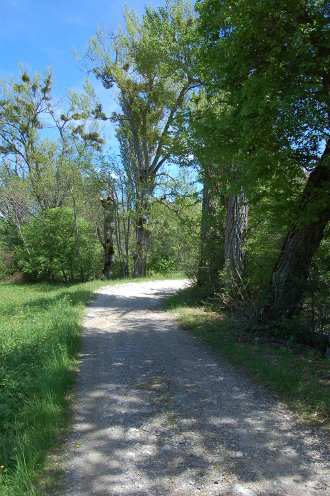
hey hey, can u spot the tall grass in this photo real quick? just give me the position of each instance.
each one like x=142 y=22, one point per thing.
x=40 y=332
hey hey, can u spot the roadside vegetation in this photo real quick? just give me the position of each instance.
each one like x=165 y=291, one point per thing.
x=298 y=375
x=40 y=336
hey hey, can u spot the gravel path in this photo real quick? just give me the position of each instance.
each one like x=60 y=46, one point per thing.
x=158 y=414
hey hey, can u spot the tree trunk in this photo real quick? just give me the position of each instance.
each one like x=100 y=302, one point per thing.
x=141 y=248
x=292 y=269
x=236 y=232
x=142 y=233
x=127 y=236
x=109 y=227
x=118 y=241
x=212 y=227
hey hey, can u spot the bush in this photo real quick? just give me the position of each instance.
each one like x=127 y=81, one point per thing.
x=161 y=264
x=52 y=250
x=7 y=261
x=5 y=264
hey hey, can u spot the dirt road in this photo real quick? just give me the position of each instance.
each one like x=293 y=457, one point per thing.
x=158 y=414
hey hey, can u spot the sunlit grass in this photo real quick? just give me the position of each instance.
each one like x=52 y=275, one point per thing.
x=40 y=336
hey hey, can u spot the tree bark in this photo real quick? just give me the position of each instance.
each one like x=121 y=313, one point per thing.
x=301 y=242
x=141 y=248
x=144 y=195
x=109 y=227
x=236 y=233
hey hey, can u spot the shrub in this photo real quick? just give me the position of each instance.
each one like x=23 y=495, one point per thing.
x=52 y=250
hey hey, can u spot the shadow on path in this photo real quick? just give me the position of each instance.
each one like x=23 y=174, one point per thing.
x=158 y=414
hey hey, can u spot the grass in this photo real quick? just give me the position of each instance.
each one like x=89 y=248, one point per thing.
x=40 y=335
x=297 y=375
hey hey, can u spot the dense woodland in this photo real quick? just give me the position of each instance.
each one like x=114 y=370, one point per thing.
x=223 y=172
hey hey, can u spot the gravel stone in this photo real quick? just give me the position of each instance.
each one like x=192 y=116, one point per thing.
x=158 y=414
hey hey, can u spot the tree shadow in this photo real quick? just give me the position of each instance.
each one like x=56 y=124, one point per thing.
x=156 y=406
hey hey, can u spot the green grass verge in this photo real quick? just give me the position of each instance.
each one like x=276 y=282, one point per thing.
x=297 y=375
x=40 y=334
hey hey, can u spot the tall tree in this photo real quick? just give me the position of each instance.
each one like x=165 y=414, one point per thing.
x=272 y=59
x=224 y=211
x=23 y=106
x=28 y=153
x=108 y=205
x=150 y=62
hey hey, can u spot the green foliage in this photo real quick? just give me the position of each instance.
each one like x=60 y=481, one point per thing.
x=52 y=250
x=5 y=264
x=271 y=61
x=175 y=236
x=262 y=247
x=161 y=263
x=6 y=258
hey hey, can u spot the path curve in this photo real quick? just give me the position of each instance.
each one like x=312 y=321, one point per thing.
x=158 y=414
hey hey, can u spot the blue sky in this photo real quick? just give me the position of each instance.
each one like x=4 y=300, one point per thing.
x=42 y=33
